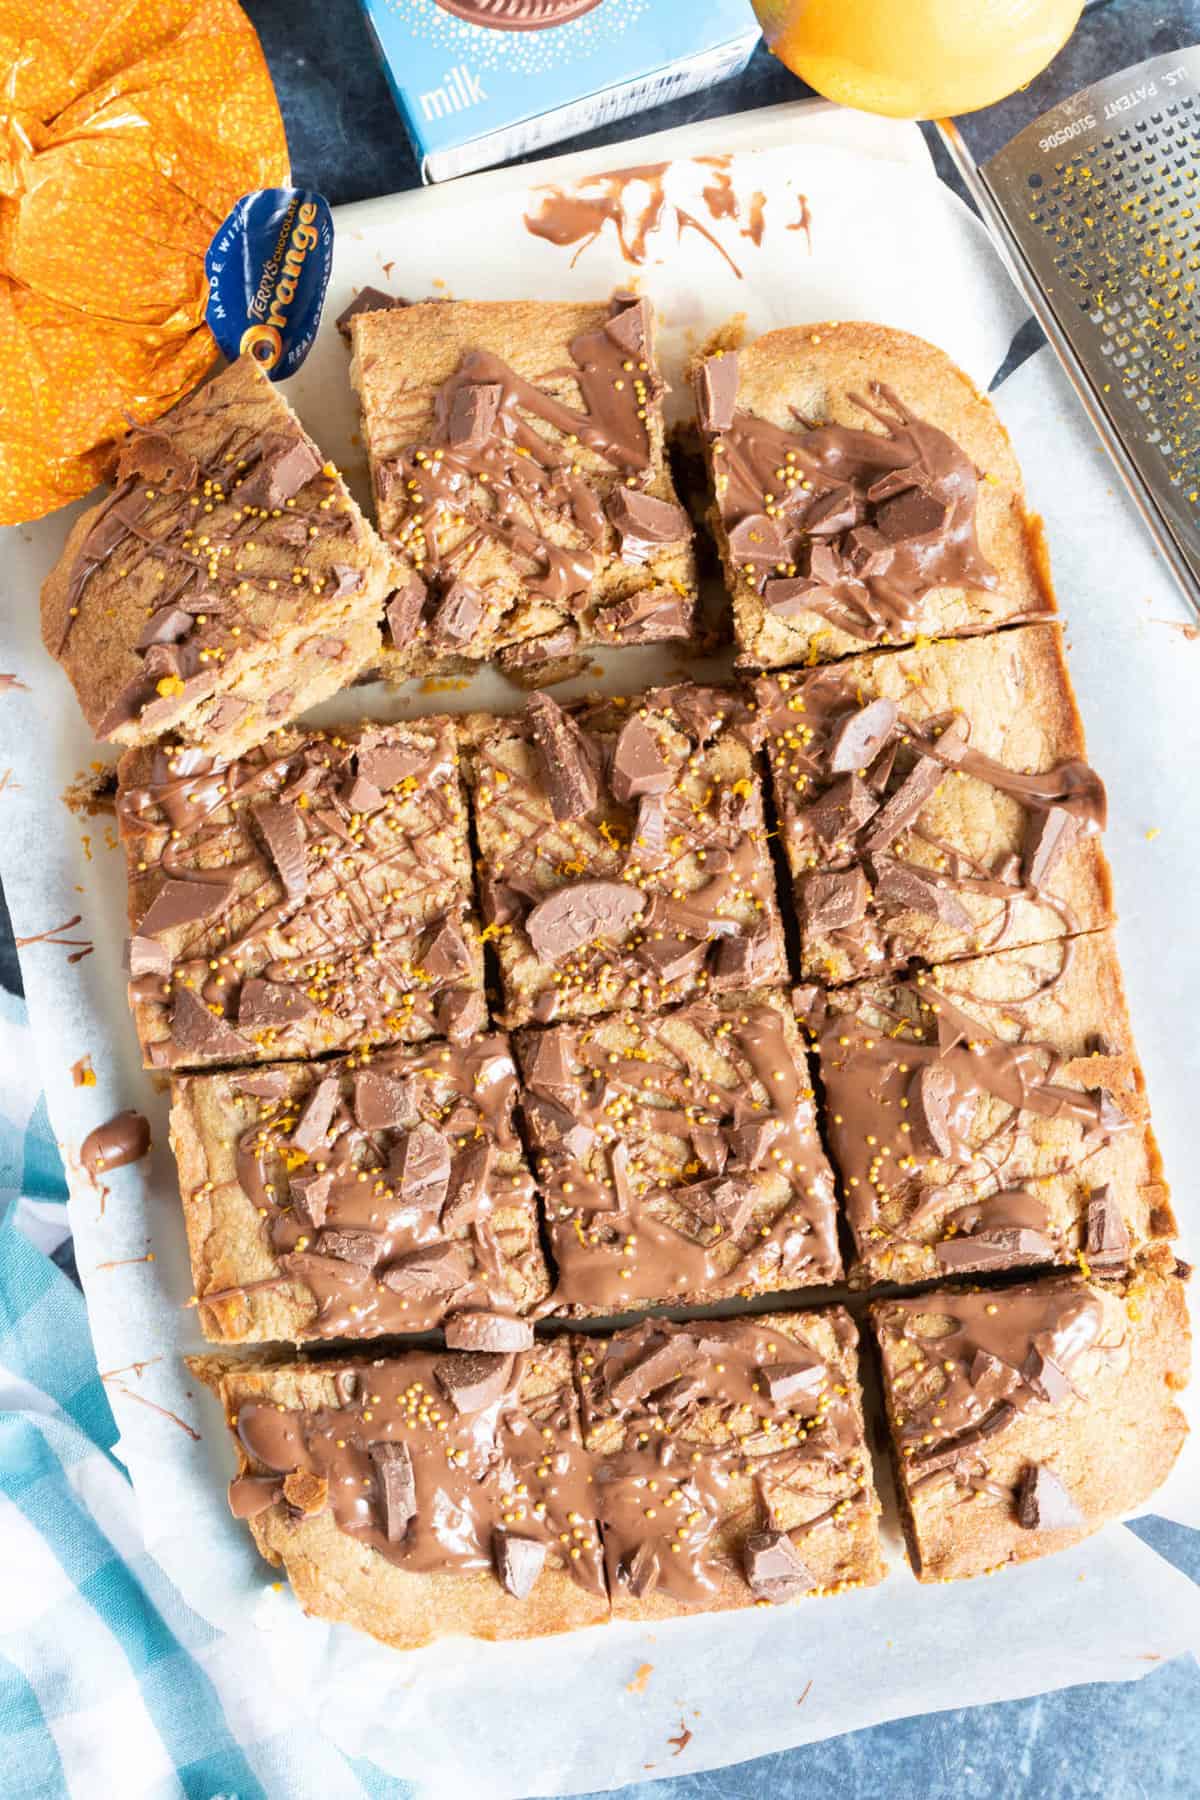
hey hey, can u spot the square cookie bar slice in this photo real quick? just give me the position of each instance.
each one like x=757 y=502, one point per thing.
x=935 y=803
x=991 y=1113
x=380 y=1193
x=730 y=1463
x=864 y=493
x=623 y=852
x=226 y=584
x=432 y=1494
x=310 y=895
x=678 y=1155
x=518 y=460
x=1024 y=1418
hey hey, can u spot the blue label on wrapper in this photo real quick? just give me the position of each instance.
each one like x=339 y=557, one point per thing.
x=268 y=268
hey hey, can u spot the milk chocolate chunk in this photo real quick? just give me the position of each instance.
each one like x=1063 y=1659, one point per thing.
x=312 y=1127
x=472 y=1380
x=774 y=1567
x=348 y=580
x=794 y=1380
x=446 y=954
x=834 y=901
x=166 y=626
x=901 y=885
x=361 y=1248
x=1044 y=1377
x=497 y=1333
x=518 y=1562
x=860 y=736
x=310 y=1196
x=648 y=617
x=712 y=1151
x=723 y=1201
x=283 y=832
x=1043 y=1503
x=999 y=1247
x=250 y=1495
x=146 y=956
x=183 y=903
x=750 y=1142
x=423 y=1166
x=639 y=1571
x=638 y=764
x=1107 y=1241
x=470 y=1178
x=472 y=416
x=917 y=787
x=565 y=759
x=368 y=299
x=458 y=614
x=263 y=1004
x=526 y=660
x=909 y=515
x=746 y=959
x=397 y=1487
x=387 y=764
x=382 y=1104
x=198 y=1032
x=787 y=596
x=654 y=1370
x=579 y=913
x=1047 y=835
x=931 y=1094
x=670 y=956
x=461 y=1015
x=433 y=1269
x=285 y=466
x=629 y=326
x=716 y=391
x=403 y=611
x=547 y=1068
x=844 y=807
x=644 y=523
x=362 y=796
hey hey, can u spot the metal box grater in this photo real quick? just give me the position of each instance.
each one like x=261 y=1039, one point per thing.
x=1096 y=206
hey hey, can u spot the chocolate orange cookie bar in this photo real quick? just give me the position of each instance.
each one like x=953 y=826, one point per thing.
x=623 y=852
x=935 y=802
x=1024 y=1418
x=427 y=1495
x=678 y=1155
x=518 y=460
x=386 y=1192
x=226 y=584
x=864 y=493
x=730 y=1464
x=310 y=895
x=991 y=1113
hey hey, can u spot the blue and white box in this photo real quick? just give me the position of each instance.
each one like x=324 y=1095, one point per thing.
x=482 y=81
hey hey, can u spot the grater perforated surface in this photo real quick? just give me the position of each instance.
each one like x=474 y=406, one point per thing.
x=1100 y=198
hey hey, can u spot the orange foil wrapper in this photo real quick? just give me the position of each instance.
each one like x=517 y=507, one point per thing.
x=127 y=131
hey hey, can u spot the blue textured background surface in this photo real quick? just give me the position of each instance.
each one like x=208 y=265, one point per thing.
x=1118 y=1742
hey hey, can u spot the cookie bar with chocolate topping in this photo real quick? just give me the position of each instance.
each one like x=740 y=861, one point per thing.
x=864 y=493
x=730 y=1462
x=1024 y=1418
x=935 y=802
x=518 y=460
x=623 y=852
x=226 y=584
x=991 y=1113
x=310 y=895
x=386 y=1192
x=422 y=1496
x=678 y=1155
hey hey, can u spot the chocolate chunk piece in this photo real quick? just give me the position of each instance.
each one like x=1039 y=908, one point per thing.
x=579 y=913
x=518 y=1562
x=787 y=596
x=834 y=901
x=348 y=580
x=639 y=1571
x=843 y=809
x=183 y=903
x=638 y=763
x=381 y=1104
x=909 y=515
x=433 y=1269
x=1043 y=1503
x=793 y=1380
x=566 y=759
x=471 y=419
x=264 y=1084
x=250 y=1495
x=362 y=796
x=629 y=326
x=386 y=765
x=860 y=736
x=458 y=614
x=285 y=466
x=397 y=1488
x=198 y=1032
x=422 y=1166
x=461 y=1014
x=360 y=1248
x=494 y=1332
x=472 y=1379
x=368 y=299
x=283 y=833
x=712 y=1151
x=901 y=886
x=649 y=617
x=931 y=1094
x=940 y=1455
x=918 y=786
x=744 y=961
x=146 y=956
x=723 y=1201
x=1044 y=1377
x=1107 y=1241
x=774 y=1568
x=750 y=1142
x=312 y=1127
x=540 y=661
x=716 y=391
x=309 y=1194
x=644 y=523
x=403 y=611
x=664 y=1363
x=166 y=626
x=470 y=1177
x=999 y=1247
x=1047 y=835
x=263 y=1005
x=446 y=954
x=548 y=1068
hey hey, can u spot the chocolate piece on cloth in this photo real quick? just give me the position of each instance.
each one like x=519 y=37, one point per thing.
x=622 y=1117
x=971 y=1124
x=313 y=894
x=436 y=1522
x=228 y=581
x=522 y=442
x=316 y=1210
x=993 y=1464
x=898 y=511
x=951 y=780
x=627 y=840
x=710 y=1493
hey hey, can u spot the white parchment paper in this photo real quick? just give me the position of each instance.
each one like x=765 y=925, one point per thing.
x=608 y=1706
